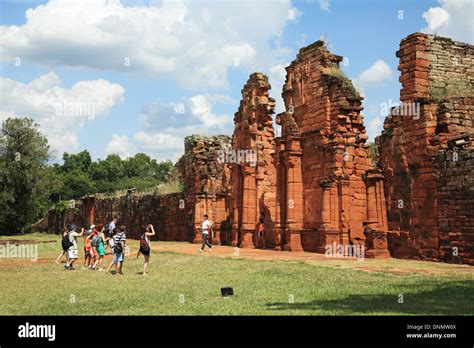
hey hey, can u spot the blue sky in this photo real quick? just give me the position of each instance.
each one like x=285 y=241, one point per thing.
x=138 y=76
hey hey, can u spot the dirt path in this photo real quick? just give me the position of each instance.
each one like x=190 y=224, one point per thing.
x=402 y=267
x=393 y=266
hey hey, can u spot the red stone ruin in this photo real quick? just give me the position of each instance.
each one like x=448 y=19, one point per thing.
x=333 y=192
x=319 y=184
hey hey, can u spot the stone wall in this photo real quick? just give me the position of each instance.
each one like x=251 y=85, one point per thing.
x=206 y=179
x=333 y=191
x=253 y=174
x=316 y=184
x=437 y=108
x=455 y=171
x=134 y=211
x=433 y=66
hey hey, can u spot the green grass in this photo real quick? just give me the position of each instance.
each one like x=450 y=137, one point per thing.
x=319 y=287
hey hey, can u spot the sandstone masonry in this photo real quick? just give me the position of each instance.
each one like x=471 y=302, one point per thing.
x=316 y=184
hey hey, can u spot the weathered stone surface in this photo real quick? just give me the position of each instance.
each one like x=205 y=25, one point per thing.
x=206 y=179
x=253 y=179
x=134 y=211
x=425 y=188
x=316 y=184
x=328 y=188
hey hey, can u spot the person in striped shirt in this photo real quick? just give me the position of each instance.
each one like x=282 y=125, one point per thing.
x=120 y=243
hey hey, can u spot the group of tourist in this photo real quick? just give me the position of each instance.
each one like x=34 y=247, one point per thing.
x=97 y=240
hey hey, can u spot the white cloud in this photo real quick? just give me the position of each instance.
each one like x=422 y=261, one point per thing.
x=166 y=124
x=378 y=73
x=191 y=42
x=276 y=77
x=60 y=112
x=374 y=128
x=160 y=145
x=435 y=17
x=453 y=18
x=119 y=145
x=324 y=5
x=194 y=112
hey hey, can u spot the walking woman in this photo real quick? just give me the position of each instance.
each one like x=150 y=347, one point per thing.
x=145 y=246
x=100 y=248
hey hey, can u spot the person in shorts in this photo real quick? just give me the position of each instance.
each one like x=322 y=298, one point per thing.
x=87 y=248
x=100 y=249
x=120 y=240
x=72 y=252
x=92 y=250
x=64 y=252
x=145 y=246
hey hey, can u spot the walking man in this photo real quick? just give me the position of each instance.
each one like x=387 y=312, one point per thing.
x=206 y=227
x=120 y=240
x=73 y=250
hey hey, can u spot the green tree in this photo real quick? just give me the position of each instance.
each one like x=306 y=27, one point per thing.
x=140 y=165
x=76 y=184
x=23 y=158
x=164 y=170
x=80 y=161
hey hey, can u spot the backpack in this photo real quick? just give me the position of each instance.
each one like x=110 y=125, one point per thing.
x=118 y=248
x=144 y=244
x=66 y=242
x=95 y=240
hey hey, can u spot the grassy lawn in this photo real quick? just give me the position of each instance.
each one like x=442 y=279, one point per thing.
x=182 y=284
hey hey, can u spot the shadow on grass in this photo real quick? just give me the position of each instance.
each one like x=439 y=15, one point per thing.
x=456 y=298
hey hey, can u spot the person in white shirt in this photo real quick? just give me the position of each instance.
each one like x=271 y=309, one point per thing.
x=206 y=228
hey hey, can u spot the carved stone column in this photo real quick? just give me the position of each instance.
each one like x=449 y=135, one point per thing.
x=294 y=193
x=376 y=224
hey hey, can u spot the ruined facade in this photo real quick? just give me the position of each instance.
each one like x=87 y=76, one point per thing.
x=333 y=192
x=425 y=151
x=206 y=180
x=317 y=183
x=253 y=173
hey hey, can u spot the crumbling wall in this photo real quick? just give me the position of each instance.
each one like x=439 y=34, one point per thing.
x=455 y=171
x=437 y=105
x=253 y=174
x=206 y=179
x=323 y=132
x=134 y=211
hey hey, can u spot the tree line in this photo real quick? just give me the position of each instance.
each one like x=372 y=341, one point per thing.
x=30 y=184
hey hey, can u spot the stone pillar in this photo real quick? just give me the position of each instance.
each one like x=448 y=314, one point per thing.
x=249 y=208
x=254 y=179
x=329 y=234
x=376 y=224
x=326 y=206
x=294 y=204
x=372 y=215
x=236 y=202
